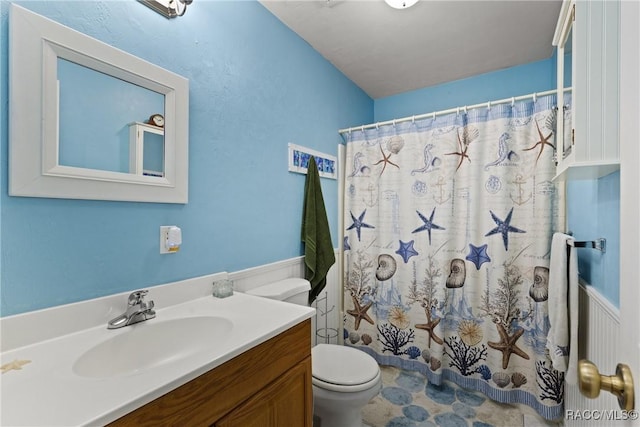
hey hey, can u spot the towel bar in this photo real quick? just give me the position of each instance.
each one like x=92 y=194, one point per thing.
x=599 y=244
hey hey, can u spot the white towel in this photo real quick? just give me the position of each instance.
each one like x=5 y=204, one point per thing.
x=562 y=341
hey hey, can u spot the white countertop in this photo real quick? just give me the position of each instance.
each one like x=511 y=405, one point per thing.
x=46 y=391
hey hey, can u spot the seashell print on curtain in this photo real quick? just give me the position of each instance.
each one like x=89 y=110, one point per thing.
x=448 y=232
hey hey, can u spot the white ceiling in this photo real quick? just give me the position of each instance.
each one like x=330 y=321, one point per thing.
x=386 y=51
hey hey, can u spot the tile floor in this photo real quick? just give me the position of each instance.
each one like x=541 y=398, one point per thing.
x=406 y=400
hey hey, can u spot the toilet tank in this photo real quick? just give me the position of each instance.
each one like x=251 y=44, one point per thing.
x=292 y=290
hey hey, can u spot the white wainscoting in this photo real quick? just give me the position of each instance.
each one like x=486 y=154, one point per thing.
x=598 y=334
x=326 y=325
x=598 y=339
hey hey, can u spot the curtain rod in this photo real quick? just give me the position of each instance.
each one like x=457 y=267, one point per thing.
x=451 y=110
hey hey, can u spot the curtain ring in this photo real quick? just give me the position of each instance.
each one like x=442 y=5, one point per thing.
x=465 y=109
x=457 y=111
x=434 y=116
x=394 y=123
x=413 y=119
x=362 y=128
x=535 y=97
x=377 y=126
x=489 y=105
x=513 y=101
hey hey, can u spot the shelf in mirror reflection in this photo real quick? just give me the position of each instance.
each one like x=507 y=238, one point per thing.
x=146 y=149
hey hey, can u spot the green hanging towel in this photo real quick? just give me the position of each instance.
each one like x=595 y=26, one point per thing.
x=318 y=249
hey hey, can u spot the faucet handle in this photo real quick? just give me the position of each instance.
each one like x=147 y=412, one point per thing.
x=137 y=297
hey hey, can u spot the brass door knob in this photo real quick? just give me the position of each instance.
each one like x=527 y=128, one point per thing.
x=621 y=384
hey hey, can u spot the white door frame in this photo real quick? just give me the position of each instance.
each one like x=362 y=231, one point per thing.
x=629 y=351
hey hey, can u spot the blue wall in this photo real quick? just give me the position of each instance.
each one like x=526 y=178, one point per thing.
x=524 y=79
x=593 y=211
x=593 y=206
x=254 y=87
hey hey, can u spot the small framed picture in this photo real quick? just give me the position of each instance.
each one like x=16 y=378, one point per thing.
x=299 y=161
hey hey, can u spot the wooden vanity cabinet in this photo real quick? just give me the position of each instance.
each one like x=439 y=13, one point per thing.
x=266 y=386
x=282 y=403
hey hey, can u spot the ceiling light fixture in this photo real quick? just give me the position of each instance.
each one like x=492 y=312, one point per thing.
x=401 y=4
x=168 y=8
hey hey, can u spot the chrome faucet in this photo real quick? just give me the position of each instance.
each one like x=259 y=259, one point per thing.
x=138 y=310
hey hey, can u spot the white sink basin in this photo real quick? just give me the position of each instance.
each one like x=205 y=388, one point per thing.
x=150 y=344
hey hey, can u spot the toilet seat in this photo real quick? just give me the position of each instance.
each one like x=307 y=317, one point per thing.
x=343 y=369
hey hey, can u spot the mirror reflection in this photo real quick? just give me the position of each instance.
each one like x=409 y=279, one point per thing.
x=97 y=122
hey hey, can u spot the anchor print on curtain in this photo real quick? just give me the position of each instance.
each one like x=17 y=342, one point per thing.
x=448 y=226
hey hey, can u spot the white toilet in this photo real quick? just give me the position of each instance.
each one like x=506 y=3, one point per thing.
x=344 y=378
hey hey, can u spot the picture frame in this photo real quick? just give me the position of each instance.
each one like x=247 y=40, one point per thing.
x=299 y=160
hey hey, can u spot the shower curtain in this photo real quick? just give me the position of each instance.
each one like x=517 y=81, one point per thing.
x=448 y=224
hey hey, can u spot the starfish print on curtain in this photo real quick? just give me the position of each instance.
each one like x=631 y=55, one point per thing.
x=507 y=345
x=406 y=250
x=504 y=228
x=462 y=152
x=430 y=327
x=468 y=135
x=428 y=224
x=478 y=255
x=541 y=142
x=385 y=160
x=359 y=312
x=358 y=223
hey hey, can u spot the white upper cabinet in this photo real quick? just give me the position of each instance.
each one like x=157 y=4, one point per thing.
x=588 y=47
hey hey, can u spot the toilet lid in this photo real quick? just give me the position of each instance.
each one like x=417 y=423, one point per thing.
x=342 y=365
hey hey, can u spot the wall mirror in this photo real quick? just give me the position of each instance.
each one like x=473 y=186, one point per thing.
x=80 y=118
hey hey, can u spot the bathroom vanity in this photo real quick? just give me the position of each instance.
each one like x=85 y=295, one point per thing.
x=224 y=362
x=266 y=386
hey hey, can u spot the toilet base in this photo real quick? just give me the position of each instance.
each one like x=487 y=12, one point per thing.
x=341 y=409
x=328 y=418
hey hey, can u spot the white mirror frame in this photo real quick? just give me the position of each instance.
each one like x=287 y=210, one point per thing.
x=35 y=44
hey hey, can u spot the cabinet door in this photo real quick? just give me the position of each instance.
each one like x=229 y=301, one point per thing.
x=286 y=402
x=591 y=148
